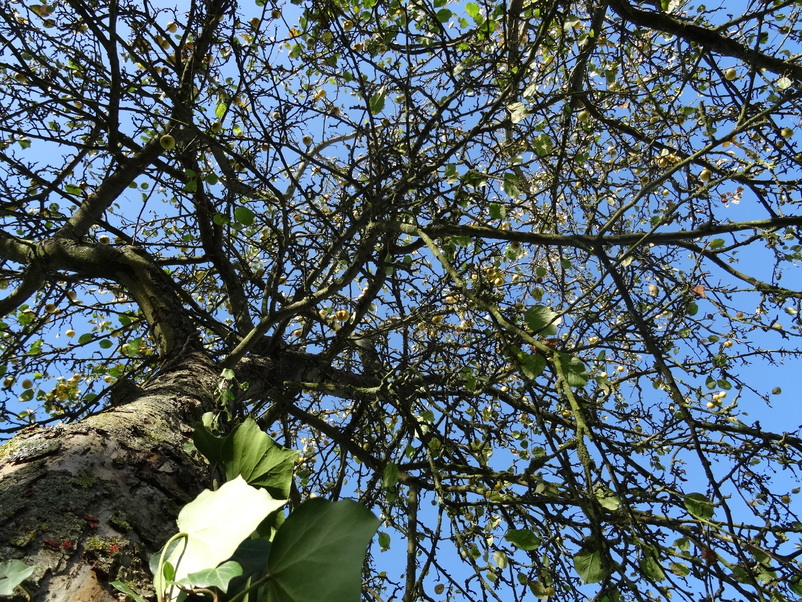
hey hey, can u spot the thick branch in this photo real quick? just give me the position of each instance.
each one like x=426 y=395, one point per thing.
x=708 y=38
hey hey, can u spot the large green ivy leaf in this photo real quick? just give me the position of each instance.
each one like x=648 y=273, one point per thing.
x=319 y=551
x=12 y=573
x=262 y=462
x=588 y=563
x=216 y=522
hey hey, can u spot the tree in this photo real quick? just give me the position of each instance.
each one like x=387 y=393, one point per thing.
x=495 y=270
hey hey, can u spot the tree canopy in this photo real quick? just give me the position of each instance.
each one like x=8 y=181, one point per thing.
x=496 y=269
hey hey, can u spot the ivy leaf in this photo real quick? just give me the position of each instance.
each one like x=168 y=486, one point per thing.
x=215 y=523
x=218 y=577
x=12 y=573
x=262 y=462
x=319 y=551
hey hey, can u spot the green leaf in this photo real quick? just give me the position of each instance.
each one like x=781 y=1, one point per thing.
x=85 y=338
x=249 y=452
x=244 y=216
x=796 y=586
x=497 y=211
x=472 y=9
x=511 y=185
x=531 y=366
x=221 y=109
x=12 y=573
x=377 y=102
x=384 y=541
x=541 y=320
x=523 y=539
x=540 y=591
x=208 y=444
x=252 y=555
x=716 y=243
x=216 y=522
x=682 y=570
x=218 y=577
x=610 y=502
x=651 y=566
x=390 y=477
x=443 y=15
x=319 y=551
x=120 y=586
x=699 y=506
x=576 y=374
x=588 y=564
x=501 y=560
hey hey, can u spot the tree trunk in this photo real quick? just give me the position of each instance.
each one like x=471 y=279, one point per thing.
x=89 y=502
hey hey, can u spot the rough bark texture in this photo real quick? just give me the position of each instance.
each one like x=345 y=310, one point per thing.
x=89 y=502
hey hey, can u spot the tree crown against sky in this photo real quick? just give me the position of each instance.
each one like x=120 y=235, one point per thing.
x=499 y=268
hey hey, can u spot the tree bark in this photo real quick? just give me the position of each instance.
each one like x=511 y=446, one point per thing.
x=89 y=502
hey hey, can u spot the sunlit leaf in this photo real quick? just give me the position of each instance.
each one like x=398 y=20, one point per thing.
x=523 y=539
